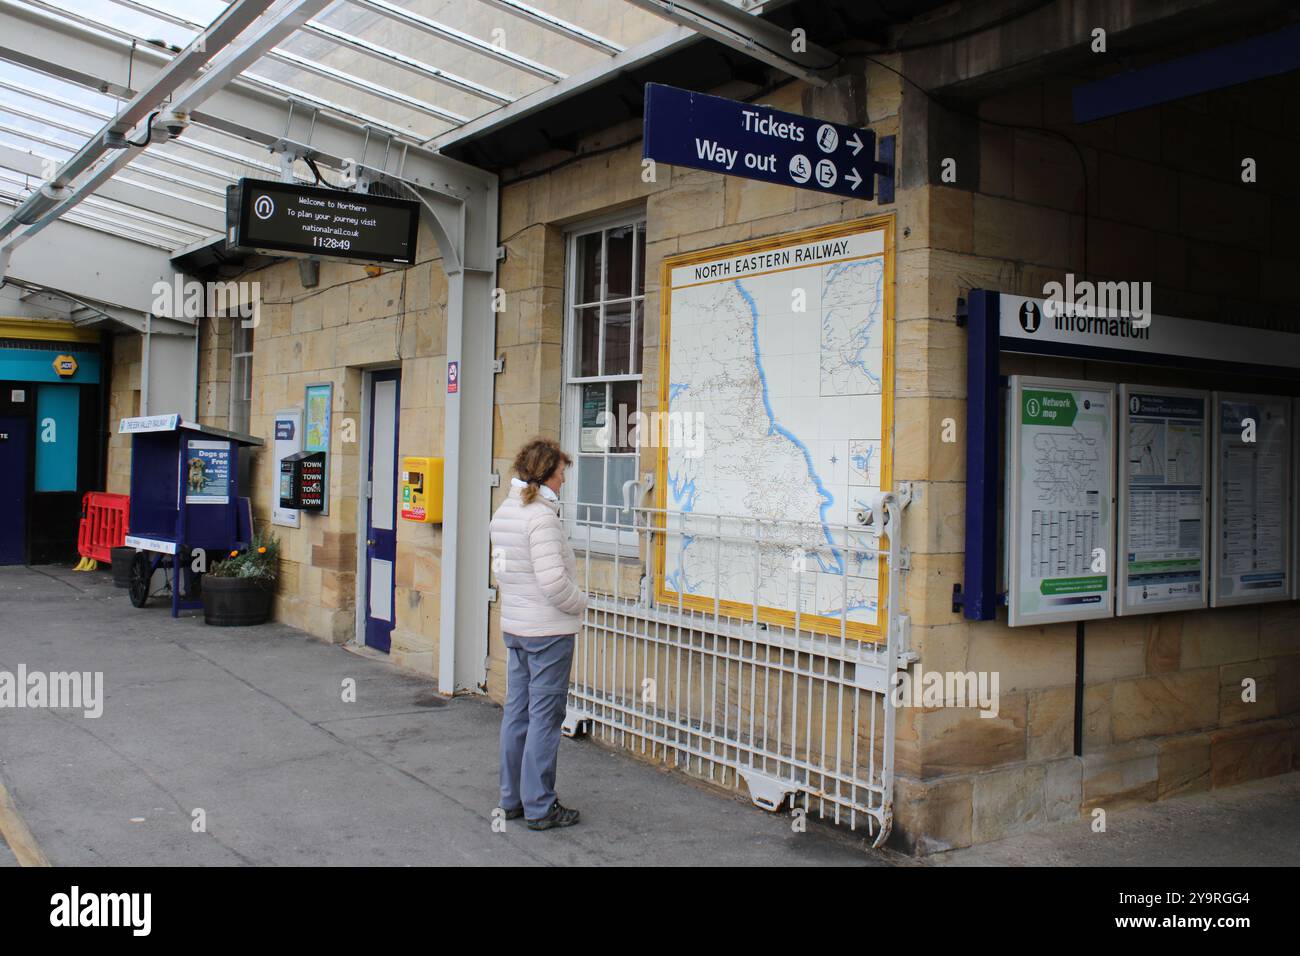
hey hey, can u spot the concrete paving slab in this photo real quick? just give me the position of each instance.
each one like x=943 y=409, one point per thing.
x=1254 y=824
x=249 y=725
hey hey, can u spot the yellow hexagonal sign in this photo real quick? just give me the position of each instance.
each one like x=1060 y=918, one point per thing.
x=65 y=366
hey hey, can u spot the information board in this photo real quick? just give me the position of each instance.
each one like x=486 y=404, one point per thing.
x=288 y=441
x=289 y=219
x=1162 y=501
x=1060 y=508
x=1251 y=561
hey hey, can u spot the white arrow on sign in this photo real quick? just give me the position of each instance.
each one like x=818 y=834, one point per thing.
x=854 y=177
x=857 y=144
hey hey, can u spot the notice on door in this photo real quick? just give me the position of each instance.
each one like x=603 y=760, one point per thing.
x=1252 y=458
x=1162 y=499
x=1060 y=486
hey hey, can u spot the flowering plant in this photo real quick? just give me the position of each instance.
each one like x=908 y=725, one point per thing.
x=260 y=560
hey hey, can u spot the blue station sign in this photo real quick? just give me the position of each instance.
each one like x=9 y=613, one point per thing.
x=755 y=142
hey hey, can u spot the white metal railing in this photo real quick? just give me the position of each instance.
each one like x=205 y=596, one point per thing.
x=703 y=676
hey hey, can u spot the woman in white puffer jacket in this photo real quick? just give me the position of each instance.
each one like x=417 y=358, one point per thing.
x=541 y=611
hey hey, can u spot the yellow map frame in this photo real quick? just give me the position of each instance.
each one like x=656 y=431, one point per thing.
x=808 y=622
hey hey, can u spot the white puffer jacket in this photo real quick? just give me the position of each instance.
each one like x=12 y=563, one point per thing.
x=535 y=569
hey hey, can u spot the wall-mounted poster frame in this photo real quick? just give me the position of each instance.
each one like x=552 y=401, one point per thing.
x=1162 y=553
x=1251 y=485
x=207 y=472
x=317 y=419
x=758 y=279
x=1060 y=500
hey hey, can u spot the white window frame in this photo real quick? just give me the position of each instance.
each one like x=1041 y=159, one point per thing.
x=236 y=322
x=602 y=540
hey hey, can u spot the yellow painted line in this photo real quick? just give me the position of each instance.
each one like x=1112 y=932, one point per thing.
x=15 y=833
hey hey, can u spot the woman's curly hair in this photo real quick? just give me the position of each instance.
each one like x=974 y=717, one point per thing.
x=536 y=463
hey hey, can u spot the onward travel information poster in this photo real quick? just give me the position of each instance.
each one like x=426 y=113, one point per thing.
x=1162 y=524
x=1059 y=500
x=1251 y=476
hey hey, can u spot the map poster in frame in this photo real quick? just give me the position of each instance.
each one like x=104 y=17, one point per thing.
x=1162 y=554
x=778 y=355
x=1060 y=500
x=318 y=405
x=1251 y=487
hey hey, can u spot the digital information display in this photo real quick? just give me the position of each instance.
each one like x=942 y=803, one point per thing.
x=288 y=219
x=1060 y=509
x=1252 y=486
x=1163 y=479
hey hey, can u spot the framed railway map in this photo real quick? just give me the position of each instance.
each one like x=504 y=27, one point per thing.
x=778 y=355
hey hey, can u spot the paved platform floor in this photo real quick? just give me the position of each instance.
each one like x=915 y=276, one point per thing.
x=249 y=725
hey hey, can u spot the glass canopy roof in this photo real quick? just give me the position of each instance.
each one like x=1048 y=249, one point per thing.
x=408 y=70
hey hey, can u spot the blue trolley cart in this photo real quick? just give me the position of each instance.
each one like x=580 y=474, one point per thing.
x=184 y=500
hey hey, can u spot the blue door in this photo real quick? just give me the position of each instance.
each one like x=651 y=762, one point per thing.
x=13 y=490
x=381 y=508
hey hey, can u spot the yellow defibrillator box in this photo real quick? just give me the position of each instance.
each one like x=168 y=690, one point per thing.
x=422 y=489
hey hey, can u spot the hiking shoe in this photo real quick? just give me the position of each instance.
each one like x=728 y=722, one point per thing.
x=514 y=814
x=557 y=816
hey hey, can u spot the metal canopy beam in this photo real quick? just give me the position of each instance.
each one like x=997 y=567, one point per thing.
x=749 y=34
x=184 y=99
x=553 y=23
x=228 y=25
x=46 y=36
x=1255 y=58
x=116 y=273
x=462 y=201
x=327 y=71
x=188 y=142
x=97 y=213
x=254 y=114
x=627 y=61
x=444 y=32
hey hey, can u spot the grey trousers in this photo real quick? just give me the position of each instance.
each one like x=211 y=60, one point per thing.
x=538 y=684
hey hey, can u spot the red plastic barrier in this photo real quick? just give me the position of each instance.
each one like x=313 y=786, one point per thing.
x=103 y=524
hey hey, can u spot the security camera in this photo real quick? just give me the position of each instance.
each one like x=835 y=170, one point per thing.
x=175 y=123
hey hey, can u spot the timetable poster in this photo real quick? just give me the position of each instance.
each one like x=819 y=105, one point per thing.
x=1060 y=498
x=1162 y=499
x=1252 y=473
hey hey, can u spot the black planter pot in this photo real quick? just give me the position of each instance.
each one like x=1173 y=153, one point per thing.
x=236 y=602
x=121 y=560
